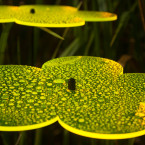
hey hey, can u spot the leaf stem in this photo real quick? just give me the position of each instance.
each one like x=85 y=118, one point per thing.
x=59 y=44
x=66 y=137
x=3 y=40
x=51 y=32
x=131 y=141
x=19 y=137
x=38 y=136
x=142 y=13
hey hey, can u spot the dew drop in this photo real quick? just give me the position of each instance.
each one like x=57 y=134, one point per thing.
x=81 y=120
x=19 y=102
x=40 y=111
x=63 y=99
x=116 y=93
x=30 y=101
x=101 y=100
x=22 y=81
x=29 y=86
x=36 y=104
x=19 y=106
x=16 y=84
x=34 y=93
x=5 y=97
x=42 y=98
x=1 y=105
x=11 y=104
x=49 y=84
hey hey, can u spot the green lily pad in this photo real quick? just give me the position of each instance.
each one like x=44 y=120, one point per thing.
x=51 y=16
x=106 y=103
x=93 y=16
x=48 y=16
x=23 y=105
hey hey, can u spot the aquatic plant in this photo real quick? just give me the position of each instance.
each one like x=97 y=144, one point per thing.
x=89 y=96
x=51 y=16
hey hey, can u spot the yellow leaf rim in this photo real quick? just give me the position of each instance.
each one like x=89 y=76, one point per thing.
x=50 y=25
x=28 y=127
x=81 y=23
x=74 y=130
x=101 y=135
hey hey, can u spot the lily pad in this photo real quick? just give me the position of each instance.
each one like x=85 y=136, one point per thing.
x=105 y=102
x=51 y=16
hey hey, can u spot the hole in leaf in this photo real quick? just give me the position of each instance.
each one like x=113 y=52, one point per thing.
x=32 y=11
x=71 y=84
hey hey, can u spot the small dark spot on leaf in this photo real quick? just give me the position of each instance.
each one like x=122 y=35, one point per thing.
x=71 y=84
x=32 y=11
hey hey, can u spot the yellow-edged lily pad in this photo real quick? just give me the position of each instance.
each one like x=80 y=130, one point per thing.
x=24 y=102
x=48 y=16
x=93 y=16
x=89 y=96
x=51 y=16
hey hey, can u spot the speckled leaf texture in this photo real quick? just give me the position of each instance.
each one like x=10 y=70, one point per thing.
x=7 y=13
x=105 y=104
x=48 y=16
x=51 y=16
x=23 y=98
x=93 y=16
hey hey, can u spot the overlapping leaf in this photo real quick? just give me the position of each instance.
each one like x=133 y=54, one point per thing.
x=51 y=16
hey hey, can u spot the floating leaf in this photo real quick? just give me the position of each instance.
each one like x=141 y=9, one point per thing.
x=89 y=96
x=22 y=95
x=51 y=16
x=92 y=16
x=48 y=16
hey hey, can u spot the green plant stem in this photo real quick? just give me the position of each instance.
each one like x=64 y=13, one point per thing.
x=64 y=34
x=57 y=2
x=93 y=142
x=131 y=141
x=89 y=44
x=39 y=1
x=79 y=5
x=142 y=13
x=19 y=137
x=3 y=40
x=51 y=32
x=5 y=138
x=97 y=41
x=97 y=32
x=124 y=19
x=102 y=5
x=66 y=137
x=38 y=136
x=107 y=142
x=36 y=43
x=107 y=38
x=85 y=4
x=23 y=138
x=75 y=3
x=126 y=141
x=59 y=44
x=71 y=49
x=18 y=51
